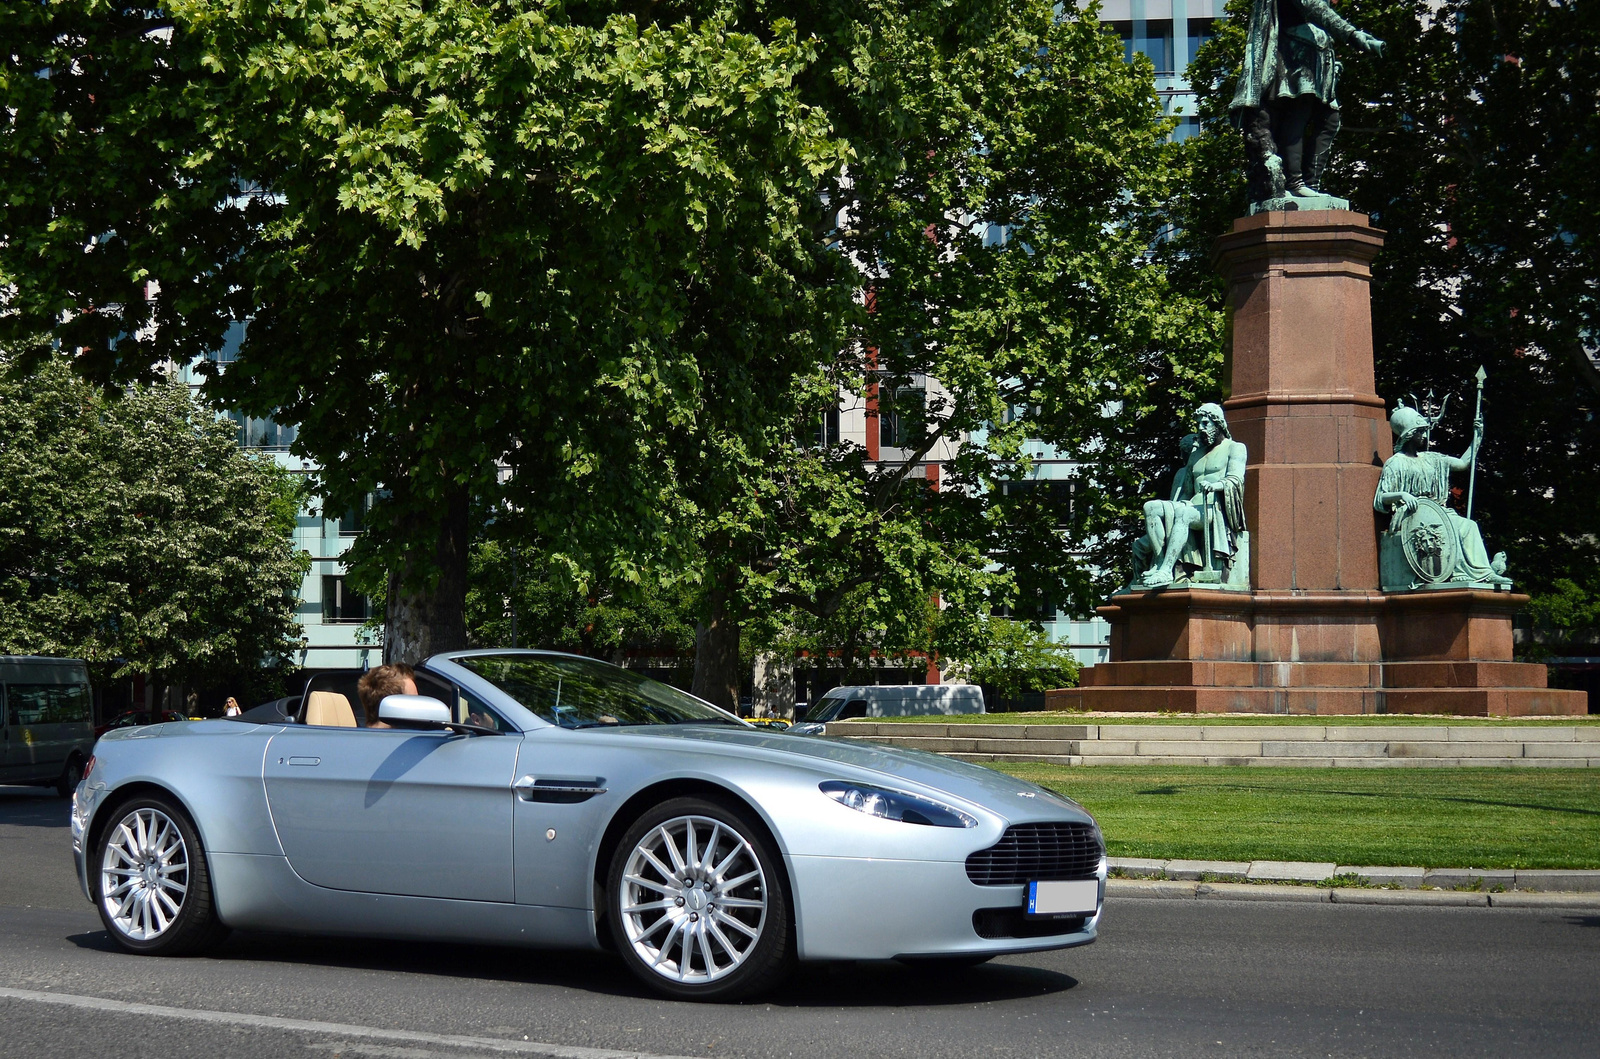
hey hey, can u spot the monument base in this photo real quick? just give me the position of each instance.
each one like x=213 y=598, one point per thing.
x=1352 y=652
x=1296 y=203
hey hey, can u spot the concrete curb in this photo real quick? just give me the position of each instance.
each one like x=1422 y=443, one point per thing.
x=1411 y=878
x=1179 y=890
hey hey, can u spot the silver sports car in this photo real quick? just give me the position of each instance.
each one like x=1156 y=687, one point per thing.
x=542 y=799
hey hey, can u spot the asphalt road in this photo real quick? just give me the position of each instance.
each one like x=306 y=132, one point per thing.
x=1167 y=979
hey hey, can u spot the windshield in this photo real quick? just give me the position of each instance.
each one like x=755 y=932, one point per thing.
x=583 y=693
x=825 y=709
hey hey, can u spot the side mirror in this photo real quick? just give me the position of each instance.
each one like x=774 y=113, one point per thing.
x=413 y=710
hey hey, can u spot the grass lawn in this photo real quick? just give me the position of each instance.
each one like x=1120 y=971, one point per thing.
x=1434 y=817
x=1398 y=719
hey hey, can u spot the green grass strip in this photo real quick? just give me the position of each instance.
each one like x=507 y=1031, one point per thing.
x=1433 y=817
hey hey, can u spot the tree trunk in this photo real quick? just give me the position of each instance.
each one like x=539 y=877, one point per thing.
x=716 y=647
x=774 y=685
x=427 y=615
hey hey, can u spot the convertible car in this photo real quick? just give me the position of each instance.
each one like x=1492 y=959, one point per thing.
x=548 y=800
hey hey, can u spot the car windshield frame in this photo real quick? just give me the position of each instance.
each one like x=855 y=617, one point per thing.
x=826 y=707
x=573 y=692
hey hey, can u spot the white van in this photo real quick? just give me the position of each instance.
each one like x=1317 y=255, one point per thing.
x=46 y=713
x=890 y=700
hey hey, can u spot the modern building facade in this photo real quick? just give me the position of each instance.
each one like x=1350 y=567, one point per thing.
x=1169 y=32
x=332 y=617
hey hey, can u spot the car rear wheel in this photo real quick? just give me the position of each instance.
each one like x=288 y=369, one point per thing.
x=71 y=776
x=697 y=902
x=152 y=887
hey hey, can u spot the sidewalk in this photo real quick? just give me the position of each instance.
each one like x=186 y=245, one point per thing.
x=1329 y=883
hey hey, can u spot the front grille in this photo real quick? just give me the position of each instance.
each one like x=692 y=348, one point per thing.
x=1028 y=852
x=1011 y=923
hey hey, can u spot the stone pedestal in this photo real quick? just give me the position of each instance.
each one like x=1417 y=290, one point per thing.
x=1315 y=635
x=1352 y=652
x=1301 y=395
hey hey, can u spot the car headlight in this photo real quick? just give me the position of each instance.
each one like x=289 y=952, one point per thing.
x=896 y=805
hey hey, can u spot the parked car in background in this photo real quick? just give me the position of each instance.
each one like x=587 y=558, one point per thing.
x=889 y=700
x=46 y=711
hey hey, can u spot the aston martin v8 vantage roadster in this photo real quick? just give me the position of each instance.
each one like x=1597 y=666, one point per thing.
x=542 y=799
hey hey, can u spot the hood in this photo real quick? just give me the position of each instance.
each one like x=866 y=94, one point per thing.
x=889 y=766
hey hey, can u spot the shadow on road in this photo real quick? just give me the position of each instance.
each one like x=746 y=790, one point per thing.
x=33 y=807
x=875 y=984
x=890 y=984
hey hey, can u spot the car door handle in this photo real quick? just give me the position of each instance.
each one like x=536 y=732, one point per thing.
x=563 y=790
x=305 y=761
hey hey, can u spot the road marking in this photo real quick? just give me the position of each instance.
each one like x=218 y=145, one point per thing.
x=239 y=1018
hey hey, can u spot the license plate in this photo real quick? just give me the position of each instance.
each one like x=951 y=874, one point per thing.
x=1063 y=898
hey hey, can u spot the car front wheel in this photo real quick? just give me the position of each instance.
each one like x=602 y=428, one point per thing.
x=152 y=887
x=697 y=903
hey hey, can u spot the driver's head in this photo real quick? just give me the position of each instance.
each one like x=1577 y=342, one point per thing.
x=377 y=684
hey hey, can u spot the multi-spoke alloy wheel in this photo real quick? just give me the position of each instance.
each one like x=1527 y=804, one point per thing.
x=698 y=908
x=144 y=874
x=153 y=887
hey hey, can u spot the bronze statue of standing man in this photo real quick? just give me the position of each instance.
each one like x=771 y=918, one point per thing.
x=1287 y=102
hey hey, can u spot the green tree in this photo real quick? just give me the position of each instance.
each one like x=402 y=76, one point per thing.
x=136 y=535
x=963 y=120
x=510 y=602
x=1471 y=143
x=495 y=256
x=1020 y=661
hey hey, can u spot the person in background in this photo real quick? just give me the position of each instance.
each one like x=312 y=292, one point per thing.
x=231 y=707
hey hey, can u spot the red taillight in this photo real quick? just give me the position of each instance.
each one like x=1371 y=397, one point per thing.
x=88 y=766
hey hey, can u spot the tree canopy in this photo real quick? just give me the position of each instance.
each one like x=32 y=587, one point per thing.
x=136 y=535
x=589 y=273
x=495 y=254
x=1008 y=174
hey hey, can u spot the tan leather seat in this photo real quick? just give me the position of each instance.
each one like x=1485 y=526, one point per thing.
x=330 y=709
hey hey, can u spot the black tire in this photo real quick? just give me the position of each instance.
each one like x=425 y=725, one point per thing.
x=71 y=776
x=756 y=944
x=145 y=899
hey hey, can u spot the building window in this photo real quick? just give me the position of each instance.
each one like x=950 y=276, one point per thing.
x=1150 y=37
x=901 y=416
x=354 y=519
x=255 y=433
x=825 y=431
x=1200 y=31
x=1031 y=605
x=341 y=605
x=1058 y=496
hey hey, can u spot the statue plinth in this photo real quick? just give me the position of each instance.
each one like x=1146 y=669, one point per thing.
x=1338 y=652
x=1302 y=397
x=1315 y=634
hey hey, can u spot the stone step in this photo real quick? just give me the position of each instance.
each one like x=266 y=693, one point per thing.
x=1300 y=746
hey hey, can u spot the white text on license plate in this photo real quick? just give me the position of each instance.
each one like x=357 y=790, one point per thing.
x=1069 y=897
